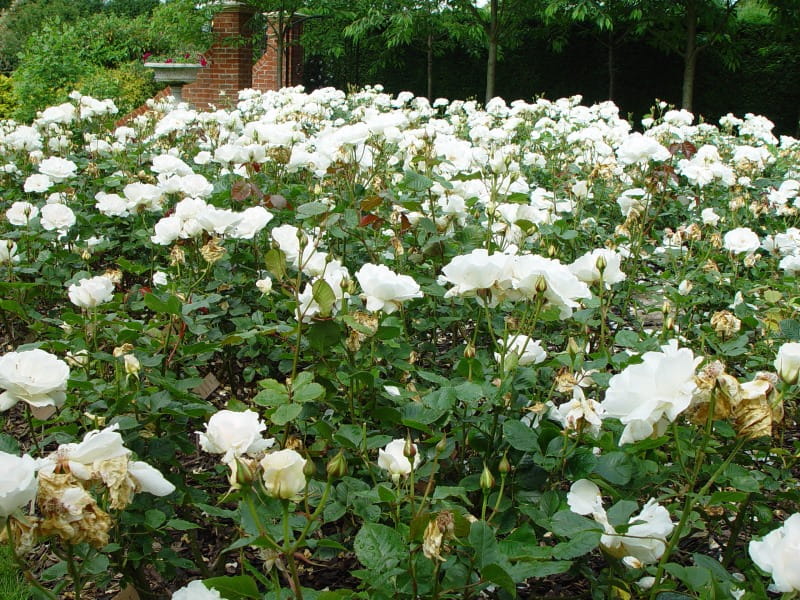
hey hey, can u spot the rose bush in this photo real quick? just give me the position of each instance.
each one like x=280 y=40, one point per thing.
x=531 y=292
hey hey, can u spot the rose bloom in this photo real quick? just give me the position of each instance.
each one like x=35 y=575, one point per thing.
x=89 y=293
x=384 y=289
x=33 y=376
x=740 y=240
x=264 y=285
x=476 y=272
x=18 y=484
x=37 y=184
x=21 y=213
x=57 y=216
x=393 y=459
x=58 y=169
x=111 y=205
x=283 y=474
x=252 y=220
x=234 y=434
x=647 y=533
x=527 y=351
x=776 y=554
x=646 y=397
x=791 y=265
x=787 y=363
x=587 y=267
x=196 y=590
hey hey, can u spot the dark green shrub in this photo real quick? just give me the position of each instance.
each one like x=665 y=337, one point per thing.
x=7 y=103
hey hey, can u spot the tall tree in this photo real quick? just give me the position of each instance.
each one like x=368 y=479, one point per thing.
x=687 y=28
x=610 y=22
x=495 y=20
x=405 y=23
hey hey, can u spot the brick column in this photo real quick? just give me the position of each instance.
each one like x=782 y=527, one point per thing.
x=265 y=75
x=230 y=67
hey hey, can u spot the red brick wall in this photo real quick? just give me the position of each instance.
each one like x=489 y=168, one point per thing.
x=230 y=67
x=265 y=75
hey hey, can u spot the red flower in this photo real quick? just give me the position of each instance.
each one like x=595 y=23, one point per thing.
x=146 y=55
x=203 y=60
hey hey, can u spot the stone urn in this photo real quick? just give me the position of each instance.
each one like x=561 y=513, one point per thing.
x=175 y=75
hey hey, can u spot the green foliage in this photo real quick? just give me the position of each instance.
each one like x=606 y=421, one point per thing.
x=7 y=103
x=26 y=17
x=49 y=65
x=129 y=85
x=178 y=25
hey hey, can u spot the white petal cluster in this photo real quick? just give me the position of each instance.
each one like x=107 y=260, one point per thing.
x=384 y=289
x=32 y=376
x=91 y=292
x=646 y=537
x=776 y=554
x=647 y=396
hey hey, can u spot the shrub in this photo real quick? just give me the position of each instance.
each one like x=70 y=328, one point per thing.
x=6 y=97
x=129 y=85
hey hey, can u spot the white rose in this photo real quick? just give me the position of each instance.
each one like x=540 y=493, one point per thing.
x=264 y=285
x=393 y=459
x=57 y=216
x=283 y=474
x=526 y=350
x=21 y=213
x=384 y=289
x=196 y=591
x=33 y=376
x=37 y=183
x=111 y=205
x=777 y=554
x=91 y=292
x=160 y=278
x=18 y=484
x=587 y=267
x=740 y=240
x=58 y=169
x=787 y=363
x=253 y=220
x=234 y=434
x=647 y=396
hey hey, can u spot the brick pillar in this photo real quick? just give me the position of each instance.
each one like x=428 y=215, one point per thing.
x=230 y=67
x=265 y=75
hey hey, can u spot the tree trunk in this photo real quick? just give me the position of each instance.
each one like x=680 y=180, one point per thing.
x=690 y=56
x=430 y=66
x=491 y=62
x=611 y=65
x=280 y=45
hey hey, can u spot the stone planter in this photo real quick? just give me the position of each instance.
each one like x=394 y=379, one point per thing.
x=175 y=75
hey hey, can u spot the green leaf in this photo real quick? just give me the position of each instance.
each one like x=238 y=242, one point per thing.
x=323 y=294
x=583 y=543
x=615 y=467
x=181 y=525
x=273 y=394
x=566 y=523
x=416 y=181
x=286 y=413
x=8 y=444
x=379 y=547
x=520 y=436
x=482 y=540
x=154 y=518
x=311 y=209
x=500 y=577
x=171 y=306
x=239 y=587
x=307 y=393
x=275 y=261
x=540 y=568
